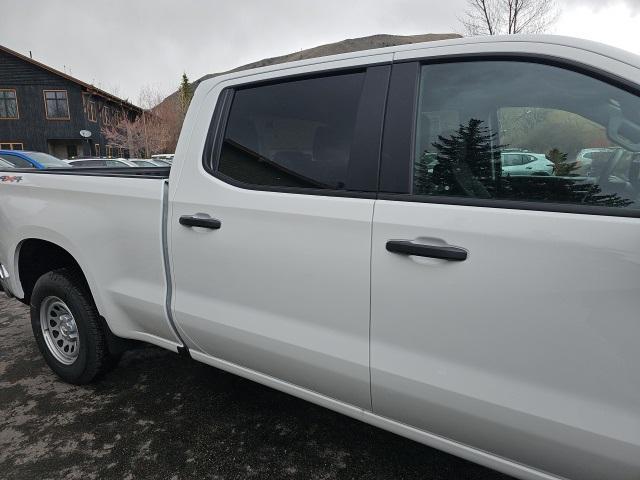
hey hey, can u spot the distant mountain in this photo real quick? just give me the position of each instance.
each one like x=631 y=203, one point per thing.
x=345 y=46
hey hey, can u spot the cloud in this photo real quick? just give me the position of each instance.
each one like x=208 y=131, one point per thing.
x=125 y=44
x=633 y=5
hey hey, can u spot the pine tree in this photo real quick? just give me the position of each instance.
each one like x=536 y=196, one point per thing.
x=468 y=161
x=422 y=174
x=185 y=93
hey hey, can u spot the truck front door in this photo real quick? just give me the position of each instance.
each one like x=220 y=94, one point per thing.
x=504 y=308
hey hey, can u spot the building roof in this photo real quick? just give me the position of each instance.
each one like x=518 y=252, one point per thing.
x=91 y=88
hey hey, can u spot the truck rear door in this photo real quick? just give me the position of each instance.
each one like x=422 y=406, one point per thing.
x=271 y=231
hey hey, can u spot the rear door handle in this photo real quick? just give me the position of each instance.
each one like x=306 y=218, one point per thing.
x=203 y=222
x=405 y=247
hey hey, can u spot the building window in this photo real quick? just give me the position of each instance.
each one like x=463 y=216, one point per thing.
x=109 y=151
x=56 y=104
x=106 y=116
x=11 y=146
x=91 y=111
x=97 y=147
x=8 y=104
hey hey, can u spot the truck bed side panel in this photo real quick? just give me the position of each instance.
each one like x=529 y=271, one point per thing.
x=112 y=227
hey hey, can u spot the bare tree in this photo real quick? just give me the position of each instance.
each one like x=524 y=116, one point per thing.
x=172 y=115
x=123 y=133
x=508 y=17
x=154 y=130
x=164 y=120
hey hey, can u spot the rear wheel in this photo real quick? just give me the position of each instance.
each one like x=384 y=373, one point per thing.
x=67 y=328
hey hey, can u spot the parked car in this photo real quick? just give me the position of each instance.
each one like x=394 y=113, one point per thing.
x=28 y=159
x=143 y=163
x=101 y=162
x=167 y=157
x=494 y=318
x=150 y=163
x=590 y=160
x=525 y=163
x=160 y=162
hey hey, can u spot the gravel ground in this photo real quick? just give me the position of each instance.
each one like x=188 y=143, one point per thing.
x=163 y=416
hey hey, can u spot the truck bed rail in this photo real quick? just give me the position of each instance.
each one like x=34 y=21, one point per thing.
x=144 y=172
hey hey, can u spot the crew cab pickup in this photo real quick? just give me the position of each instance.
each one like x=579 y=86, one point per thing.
x=302 y=241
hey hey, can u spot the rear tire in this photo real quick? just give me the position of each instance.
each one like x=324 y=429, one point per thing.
x=68 y=329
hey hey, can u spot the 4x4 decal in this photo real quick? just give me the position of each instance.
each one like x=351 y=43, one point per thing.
x=11 y=178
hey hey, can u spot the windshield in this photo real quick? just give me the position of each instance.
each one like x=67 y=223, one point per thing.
x=15 y=161
x=47 y=160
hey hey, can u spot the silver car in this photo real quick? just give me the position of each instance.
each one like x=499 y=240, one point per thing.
x=525 y=163
x=101 y=162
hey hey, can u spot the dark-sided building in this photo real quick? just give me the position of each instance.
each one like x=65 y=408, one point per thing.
x=43 y=109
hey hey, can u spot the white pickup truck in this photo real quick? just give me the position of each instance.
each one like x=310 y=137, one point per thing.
x=301 y=241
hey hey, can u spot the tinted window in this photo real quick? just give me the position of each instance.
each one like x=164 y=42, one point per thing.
x=16 y=161
x=293 y=134
x=522 y=131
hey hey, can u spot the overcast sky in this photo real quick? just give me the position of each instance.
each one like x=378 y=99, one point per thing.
x=124 y=45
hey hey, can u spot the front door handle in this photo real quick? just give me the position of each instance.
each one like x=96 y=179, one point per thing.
x=203 y=222
x=406 y=247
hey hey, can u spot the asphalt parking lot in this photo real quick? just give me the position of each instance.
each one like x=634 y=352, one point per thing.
x=159 y=415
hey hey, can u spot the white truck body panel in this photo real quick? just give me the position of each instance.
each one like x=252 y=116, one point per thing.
x=421 y=347
x=112 y=229
x=562 y=291
x=261 y=292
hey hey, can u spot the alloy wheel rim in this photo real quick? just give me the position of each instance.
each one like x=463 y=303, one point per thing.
x=59 y=330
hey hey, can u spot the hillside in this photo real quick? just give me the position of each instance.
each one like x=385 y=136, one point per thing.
x=344 y=46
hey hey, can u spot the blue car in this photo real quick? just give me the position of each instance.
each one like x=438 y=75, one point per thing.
x=24 y=159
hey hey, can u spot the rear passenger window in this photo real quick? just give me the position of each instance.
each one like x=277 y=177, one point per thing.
x=524 y=131
x=293 y=134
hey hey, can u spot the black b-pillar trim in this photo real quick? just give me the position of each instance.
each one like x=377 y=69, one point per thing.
x=399 y=127
x=364 y=162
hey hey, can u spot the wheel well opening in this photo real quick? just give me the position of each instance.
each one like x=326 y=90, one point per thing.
x=38 y=257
